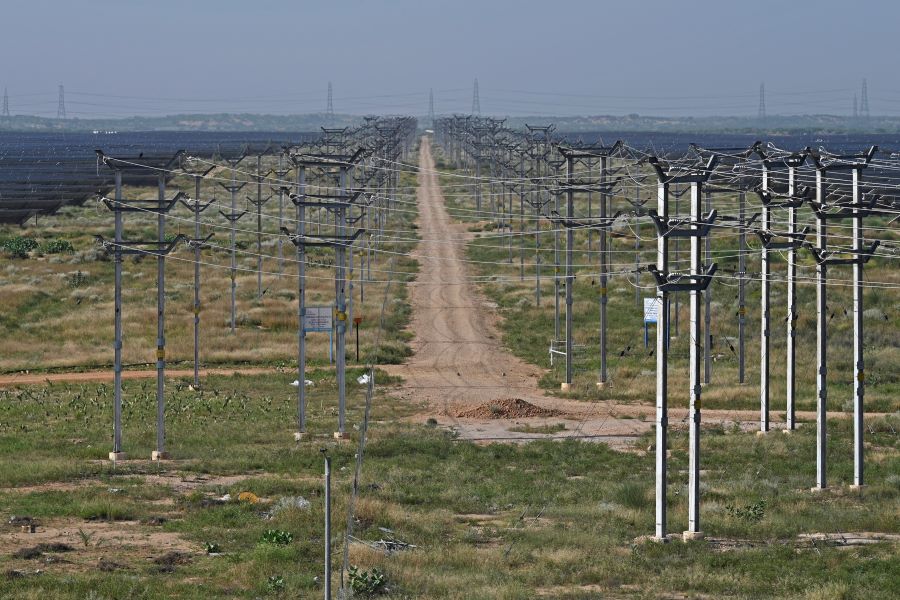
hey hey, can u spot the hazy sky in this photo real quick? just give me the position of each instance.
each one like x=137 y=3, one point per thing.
x=125 y=57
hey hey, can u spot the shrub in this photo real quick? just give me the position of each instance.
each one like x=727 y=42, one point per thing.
x=19 y=246
x=366 y=583
x=752 y=513
x=57 y=247
x=277 y=537
x=275 y=583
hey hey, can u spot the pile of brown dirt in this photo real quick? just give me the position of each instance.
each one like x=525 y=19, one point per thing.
x=508 y=408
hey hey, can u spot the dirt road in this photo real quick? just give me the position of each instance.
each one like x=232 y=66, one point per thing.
x=459 y=361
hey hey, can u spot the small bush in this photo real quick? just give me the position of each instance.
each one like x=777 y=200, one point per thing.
x=751 y=513
x=212 y=548
x=277 y=537
x=19 y=246
x=366 y=583
x=57 y=247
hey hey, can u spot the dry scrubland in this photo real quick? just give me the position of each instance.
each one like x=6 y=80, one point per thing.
x=545 y=519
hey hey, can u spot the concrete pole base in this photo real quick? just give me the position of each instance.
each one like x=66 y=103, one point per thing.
x=298 y=436
x=341 y=435
x=602 y=384
x=116 y=456
x=856 y=487
x=156 y=455
x=761 y=433
x=787 y=431
x=565 y=386
x=690 y=536
x=817 y=489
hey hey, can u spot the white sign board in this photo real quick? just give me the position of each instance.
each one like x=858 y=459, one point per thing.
x=317 y=318
x=651 y=310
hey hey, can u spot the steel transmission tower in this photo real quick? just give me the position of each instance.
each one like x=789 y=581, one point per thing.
x=855 y=107
x=5 y=103
x=761 y=115
x=476 y=102
x=61 y=107
x=329 y=107
x=864 y=101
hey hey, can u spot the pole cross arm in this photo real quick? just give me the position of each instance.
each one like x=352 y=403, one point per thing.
x=261 y=202
x=846 y=210
x=232 y=216
x=673 y=227
x=695 y=175
x=682 y=282
x=337 y=200
x=198 y=242
x=796 y=159
x=797 y=240
x=829 y=162
x=232 y=188
x=321 y=240
x=788 y=201
x=583 y=186
x=196 y=205
x=834 y=257
x=580 y=152
x=597 y=223
x=200 y=173
x=121 y=164
x=155 y=248
x=746 y=223
x=152 y=206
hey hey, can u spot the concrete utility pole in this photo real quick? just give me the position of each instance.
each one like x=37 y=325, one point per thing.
x=742 y=282
x=281 y=173
x=160 y=452
x=117 y=453
x=258 y=203
x=707 y=303
x=540 y=140
x=604 y=187
x=795 y=240
x=232 y=218
x=197 y=243
x=694 y=282
x=743 y=223
x=765 y=270
x=301 y=302
x=159 y=248
x=857 y=208
x=340 y=241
